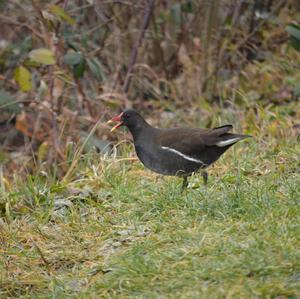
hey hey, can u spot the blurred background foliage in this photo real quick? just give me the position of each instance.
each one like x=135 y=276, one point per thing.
x=66 y=65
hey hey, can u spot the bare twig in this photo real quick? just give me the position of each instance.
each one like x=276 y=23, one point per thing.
x=38 y=10
x=276 y=8
x=7 y=20
x=157 y=41
x=145 y=23
x=243 y=42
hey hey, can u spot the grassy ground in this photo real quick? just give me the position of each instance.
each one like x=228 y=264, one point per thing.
x=116 y=231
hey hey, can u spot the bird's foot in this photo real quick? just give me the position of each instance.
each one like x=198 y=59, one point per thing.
x=184 y=184
x=205 y=177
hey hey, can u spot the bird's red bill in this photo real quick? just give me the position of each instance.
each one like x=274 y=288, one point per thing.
x=116 y=119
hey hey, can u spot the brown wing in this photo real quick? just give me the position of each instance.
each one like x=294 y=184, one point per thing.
x=191 y=142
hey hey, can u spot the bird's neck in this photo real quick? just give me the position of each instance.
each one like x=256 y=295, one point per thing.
x=139 y=129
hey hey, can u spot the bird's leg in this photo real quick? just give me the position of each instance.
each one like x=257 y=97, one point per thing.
x=205 y=177
x=184 y=184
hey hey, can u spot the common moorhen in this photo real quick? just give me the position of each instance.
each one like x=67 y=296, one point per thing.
x=178 y=151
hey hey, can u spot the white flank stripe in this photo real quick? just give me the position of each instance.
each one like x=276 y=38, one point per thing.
x=182 y=155
x=228 y=142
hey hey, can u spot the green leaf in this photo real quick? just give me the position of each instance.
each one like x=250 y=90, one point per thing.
x=73 y=58
x=23 y=78
x=77 y=61
x=43 y=56
x=30 y=63
x=293 y=30
x=69 y=42
x=187 y=7
x=96 y=69
x=297 y=90
x=59 y=12
x=78 y=69
x=176 y=13
x=8 y=102
x=42 y=91
x=43 y=151
x=295 y=43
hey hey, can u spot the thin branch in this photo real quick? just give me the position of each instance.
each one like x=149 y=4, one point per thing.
x=242 y=43
x=9 y=21
x=145 y=23
x=276 y=8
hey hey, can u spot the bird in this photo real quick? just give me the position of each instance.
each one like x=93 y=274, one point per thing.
x=176 y=151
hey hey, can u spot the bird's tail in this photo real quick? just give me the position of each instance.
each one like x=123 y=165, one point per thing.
x=230 y=139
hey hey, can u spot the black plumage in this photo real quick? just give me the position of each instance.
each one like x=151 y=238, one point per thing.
x=177 y=151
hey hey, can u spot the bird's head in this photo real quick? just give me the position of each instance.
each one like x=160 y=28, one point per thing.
x=129 y=118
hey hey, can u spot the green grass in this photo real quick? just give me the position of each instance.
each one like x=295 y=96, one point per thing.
x=116 y=231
